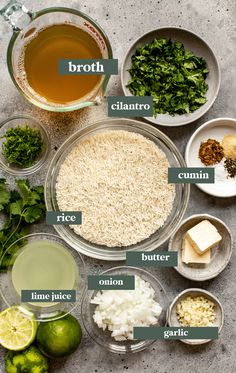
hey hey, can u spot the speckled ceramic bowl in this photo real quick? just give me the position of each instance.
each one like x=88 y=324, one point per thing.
x=199 y=47
x=224 y=186
x=220 y=254
x=195 y=292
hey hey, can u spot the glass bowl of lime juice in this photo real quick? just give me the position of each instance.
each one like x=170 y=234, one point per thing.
x=41 y=263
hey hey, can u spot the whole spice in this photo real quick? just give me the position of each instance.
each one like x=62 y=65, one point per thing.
x=22 y=146
x=230 y=166
x=211 y=152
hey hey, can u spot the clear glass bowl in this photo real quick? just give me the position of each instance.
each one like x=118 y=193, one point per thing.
x=21 y=121
x=103 y=338
x=51 y=311
x=181 y=190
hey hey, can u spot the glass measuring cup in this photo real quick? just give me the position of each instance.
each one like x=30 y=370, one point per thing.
x=25 y=25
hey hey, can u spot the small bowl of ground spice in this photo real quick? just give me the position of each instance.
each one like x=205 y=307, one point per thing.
x=24 y=145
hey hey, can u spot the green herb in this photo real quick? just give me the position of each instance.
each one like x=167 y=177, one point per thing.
x=22 y=146
x=21 y=208
x=175 y=77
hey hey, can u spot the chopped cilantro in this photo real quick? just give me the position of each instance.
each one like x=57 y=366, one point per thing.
x=22 y=146
x=173 y=76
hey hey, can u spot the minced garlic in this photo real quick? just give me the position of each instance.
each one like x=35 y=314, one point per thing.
x=196 y=311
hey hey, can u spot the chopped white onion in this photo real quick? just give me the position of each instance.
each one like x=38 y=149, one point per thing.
x=121 y=310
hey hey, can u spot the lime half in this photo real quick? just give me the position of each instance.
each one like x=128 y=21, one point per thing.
x=18 y=328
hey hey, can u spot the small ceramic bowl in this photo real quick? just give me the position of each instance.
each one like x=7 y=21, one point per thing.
x=199 y=47
x=195 y=292
x=22 y=121
x=220 y=254
x=216 y=129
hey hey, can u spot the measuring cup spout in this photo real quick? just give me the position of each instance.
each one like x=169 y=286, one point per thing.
x=98 y=100
x=16 y=15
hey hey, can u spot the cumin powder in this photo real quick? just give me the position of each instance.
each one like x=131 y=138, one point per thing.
x=211 y=152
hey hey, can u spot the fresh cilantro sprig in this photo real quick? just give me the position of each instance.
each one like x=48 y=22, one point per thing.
x=173 y=76
x=21 y=208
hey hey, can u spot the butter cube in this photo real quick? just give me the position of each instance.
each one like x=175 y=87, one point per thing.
x=203 y=236
x=189 y=255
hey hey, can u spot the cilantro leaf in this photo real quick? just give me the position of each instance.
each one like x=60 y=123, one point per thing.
x=4 y=194
x=32 y=214
x=16 y=207
x=8 y=258
x=14 y=196
x=30 y=196
x=21 y=210
x=39 y=190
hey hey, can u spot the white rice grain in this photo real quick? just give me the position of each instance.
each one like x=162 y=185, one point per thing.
x=118 y=179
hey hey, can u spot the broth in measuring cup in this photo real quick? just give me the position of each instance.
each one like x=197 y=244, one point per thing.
x=40 y=59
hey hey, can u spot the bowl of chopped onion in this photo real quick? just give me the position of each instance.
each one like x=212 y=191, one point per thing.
x=110 y=316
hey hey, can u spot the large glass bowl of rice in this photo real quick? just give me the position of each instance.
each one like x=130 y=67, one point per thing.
x=115 y=172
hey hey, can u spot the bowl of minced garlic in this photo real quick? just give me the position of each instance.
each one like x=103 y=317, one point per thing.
x=196 y=308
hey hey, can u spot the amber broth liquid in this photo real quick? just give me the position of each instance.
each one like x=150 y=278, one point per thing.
x=41 y=57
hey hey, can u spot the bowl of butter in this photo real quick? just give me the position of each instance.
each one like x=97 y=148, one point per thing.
x=204 y=246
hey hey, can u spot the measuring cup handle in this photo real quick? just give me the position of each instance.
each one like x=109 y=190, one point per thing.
x=16 y=14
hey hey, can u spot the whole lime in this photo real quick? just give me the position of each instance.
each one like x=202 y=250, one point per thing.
x=59 y=338
x=28 y=361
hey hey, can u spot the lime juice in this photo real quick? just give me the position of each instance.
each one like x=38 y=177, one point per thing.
x=44 y=265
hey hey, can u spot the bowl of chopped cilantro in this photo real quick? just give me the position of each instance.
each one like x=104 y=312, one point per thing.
x=178 y=69
x=24 y=145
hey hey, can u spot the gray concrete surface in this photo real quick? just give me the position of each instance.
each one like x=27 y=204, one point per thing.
x=124 y=21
